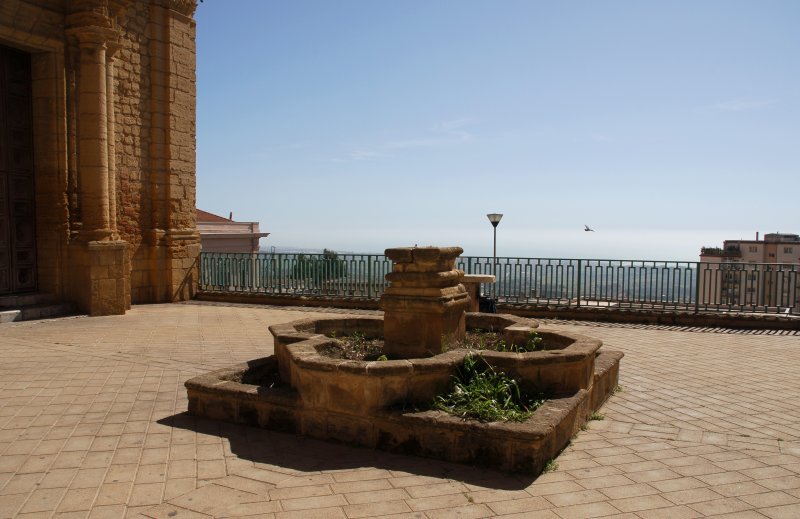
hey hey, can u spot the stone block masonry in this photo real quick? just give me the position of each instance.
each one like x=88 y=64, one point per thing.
x=113 y=117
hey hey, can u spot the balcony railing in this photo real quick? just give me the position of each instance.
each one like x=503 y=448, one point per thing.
x=625 y=284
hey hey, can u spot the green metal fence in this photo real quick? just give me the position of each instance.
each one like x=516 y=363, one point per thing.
x=626 y=284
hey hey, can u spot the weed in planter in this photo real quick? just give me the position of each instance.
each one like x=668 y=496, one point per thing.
x=355 y=346
x=481 y=393
x=534 y=344
x=551 y=466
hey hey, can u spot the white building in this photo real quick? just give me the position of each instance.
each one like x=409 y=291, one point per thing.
x=752 y=273
x=220 y=234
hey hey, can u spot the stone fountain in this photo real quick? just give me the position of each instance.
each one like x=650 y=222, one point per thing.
x=385 y=403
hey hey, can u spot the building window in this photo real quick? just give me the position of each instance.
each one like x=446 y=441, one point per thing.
x=787 y=250
x=753 y=248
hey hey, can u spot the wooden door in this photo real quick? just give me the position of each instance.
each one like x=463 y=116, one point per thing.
x=17 y=209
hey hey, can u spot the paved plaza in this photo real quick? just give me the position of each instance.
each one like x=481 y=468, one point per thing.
x=93 y=424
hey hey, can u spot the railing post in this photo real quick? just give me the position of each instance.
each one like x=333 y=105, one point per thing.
x=369 y=277
x=697 y=289
x=580 y=276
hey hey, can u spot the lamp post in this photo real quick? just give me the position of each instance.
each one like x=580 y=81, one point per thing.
x=494 y=218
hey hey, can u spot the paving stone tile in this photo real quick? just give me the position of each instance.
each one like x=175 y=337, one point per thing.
x=576 y=498
x=77 y=499
x=559 y=487
x=524 y=505
x=600 y=509
x=296 y=492
x=768 y=499
x=466 y=512
x=246 y=485
x=640 y=503
x=721 y=506
x=9 y=504
x=766 y=472
x=319 y=513
x=146 y=494
x=375 y=496
x=491 y=496
x=168 y=510
x=317 y=502
x=385 y=508
x=781 y=483
x=43 y=500
x=672 y=512
x=782 y=512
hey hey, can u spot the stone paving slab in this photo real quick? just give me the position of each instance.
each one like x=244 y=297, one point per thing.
x=93 y=424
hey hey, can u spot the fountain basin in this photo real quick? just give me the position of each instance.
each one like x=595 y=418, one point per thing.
x=372 y=403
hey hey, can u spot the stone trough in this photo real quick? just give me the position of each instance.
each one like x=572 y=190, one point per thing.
x=381 y=404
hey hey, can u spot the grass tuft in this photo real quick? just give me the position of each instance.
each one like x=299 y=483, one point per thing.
x=481 y=393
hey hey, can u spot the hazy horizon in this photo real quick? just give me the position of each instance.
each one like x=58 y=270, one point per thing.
x=560 y=243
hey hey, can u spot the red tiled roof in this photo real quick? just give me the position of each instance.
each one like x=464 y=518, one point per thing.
x=205 y=216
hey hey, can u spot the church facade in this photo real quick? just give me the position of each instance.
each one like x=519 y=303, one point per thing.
x=97 y=151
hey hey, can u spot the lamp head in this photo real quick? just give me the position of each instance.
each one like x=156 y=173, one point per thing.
x=494 y=218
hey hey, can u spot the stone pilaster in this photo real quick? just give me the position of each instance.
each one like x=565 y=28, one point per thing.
x=98 y=258
x=174 y=243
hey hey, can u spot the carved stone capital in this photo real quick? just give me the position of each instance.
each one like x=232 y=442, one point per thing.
x=95 y=36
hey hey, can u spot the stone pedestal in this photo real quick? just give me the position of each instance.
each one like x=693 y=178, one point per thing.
x=472 y=282
x=99 y=283
x=424 y=307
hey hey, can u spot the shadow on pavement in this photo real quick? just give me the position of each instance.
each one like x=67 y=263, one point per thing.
x=292 y=454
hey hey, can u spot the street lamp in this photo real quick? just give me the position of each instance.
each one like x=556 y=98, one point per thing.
x=495 y=219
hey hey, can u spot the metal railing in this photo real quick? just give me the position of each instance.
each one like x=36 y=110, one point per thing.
x=625 y=284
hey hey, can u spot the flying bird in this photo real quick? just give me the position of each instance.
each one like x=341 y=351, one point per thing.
x=587 y=228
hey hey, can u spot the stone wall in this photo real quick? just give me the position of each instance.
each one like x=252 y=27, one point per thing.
x=114 y=135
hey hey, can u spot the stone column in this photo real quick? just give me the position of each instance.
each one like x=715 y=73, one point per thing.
x=97 y=256
x=424 y=307
x=111 y=50
x=93 y=132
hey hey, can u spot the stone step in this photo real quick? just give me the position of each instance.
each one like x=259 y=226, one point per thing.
x=9 y=316
x=30 y=312
x=20 y=300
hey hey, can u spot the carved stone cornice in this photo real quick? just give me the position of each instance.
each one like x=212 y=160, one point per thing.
x=185 y=7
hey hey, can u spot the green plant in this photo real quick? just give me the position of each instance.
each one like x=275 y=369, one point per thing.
x=382 y=358
x=533 y=343
x=550 y=466
x=596 y=416
x=481 y=393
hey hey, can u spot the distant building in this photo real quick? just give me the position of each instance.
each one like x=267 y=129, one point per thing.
x=220 y=234
x=752 y=272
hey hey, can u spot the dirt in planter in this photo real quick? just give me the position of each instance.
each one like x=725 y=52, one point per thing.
x=358 y=347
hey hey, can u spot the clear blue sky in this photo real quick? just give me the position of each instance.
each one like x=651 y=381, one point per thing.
x=361 y=125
